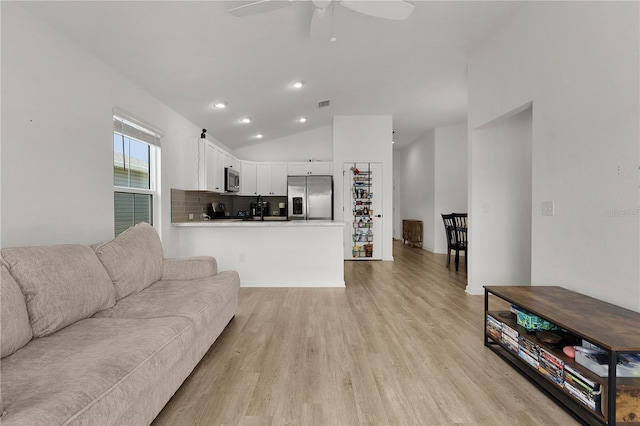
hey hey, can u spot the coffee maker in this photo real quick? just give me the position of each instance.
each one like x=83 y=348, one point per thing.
x=256 y=207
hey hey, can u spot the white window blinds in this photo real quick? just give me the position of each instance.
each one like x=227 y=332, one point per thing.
x=127 y=125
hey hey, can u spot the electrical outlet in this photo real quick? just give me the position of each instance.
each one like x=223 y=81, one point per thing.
x=547 y=208
x=241 y=257
x=190 y=216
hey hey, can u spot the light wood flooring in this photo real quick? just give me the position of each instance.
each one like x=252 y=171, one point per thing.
x=402 y=344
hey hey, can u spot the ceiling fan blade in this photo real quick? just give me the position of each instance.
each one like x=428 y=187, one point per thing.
x=320 y=29
x=388 y=9
x=254 y=7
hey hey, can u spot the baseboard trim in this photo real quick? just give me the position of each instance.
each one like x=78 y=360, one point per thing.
x=474 y=291
x=292 y=284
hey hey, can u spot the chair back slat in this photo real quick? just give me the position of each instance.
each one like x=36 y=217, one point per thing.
x=455 y=225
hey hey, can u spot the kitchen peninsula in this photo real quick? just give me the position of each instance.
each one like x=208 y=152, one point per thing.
x=270 y=253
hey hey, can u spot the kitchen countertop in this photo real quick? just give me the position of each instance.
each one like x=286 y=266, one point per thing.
x=253 y=223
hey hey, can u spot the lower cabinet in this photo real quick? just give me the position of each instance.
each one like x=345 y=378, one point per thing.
x=566 y=343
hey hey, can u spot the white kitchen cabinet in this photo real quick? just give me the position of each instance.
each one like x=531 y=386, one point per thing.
x=248 y=178
x=210 y=167
x=271 y=178
x=263 y=174
x=279 y=178
x=231 y=162
x=304 y=168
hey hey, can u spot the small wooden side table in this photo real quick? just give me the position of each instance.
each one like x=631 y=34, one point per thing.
x=412 y=232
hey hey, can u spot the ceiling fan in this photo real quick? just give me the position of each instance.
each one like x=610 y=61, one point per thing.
x=321 y=25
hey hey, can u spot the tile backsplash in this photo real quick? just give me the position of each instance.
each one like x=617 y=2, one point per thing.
x=184 y=203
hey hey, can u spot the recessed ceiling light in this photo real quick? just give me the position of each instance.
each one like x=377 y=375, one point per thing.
x=297 y=84
x=245 y=120
x=220 y=105
x=302 y=120
x=259 y=136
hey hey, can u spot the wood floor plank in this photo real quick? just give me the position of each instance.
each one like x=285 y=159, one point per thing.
x=401 y=345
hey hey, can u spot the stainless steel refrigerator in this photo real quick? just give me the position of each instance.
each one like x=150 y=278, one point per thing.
x=310 y=197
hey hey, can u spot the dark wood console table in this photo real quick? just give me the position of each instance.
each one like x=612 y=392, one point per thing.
x=614 y=329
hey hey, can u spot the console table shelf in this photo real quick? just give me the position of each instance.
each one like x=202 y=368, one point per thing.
x=613 y=329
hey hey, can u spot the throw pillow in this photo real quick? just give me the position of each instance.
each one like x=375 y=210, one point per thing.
x=133 y=259
x=62 y=284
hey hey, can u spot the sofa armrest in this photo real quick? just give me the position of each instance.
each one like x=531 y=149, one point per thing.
x=189 y=268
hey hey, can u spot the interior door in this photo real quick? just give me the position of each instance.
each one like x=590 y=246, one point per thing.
x=362 y=189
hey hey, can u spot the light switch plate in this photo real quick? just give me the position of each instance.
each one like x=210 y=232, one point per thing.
x=547 y=208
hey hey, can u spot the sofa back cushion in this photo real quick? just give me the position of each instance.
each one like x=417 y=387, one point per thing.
x=61 y=284
x=14 y=318
x=133 y=259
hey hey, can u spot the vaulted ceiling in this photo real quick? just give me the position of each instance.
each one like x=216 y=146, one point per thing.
x=189 y=54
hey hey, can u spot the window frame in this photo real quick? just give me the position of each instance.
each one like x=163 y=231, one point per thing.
x=154 y=164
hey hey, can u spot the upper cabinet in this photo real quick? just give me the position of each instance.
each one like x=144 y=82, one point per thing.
x=263 y=180
x=231 y=162
x=304 y=168
x=248 y=178
x=210 y=167
x=279 y=178
x=256 y=178
x=271 y=179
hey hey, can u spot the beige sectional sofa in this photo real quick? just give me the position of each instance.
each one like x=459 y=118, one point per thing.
x=104 y=335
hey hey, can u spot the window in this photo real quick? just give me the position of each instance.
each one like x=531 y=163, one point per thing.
x=136 y=165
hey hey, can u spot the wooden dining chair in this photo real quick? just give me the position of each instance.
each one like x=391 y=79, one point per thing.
x=460 y=231
x=449 y=229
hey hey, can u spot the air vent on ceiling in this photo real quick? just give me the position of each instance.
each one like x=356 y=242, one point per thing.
x=323 y=104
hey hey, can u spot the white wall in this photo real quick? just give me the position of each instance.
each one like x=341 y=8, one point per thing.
x=366 y=139
x=431 y=179
x=500 y=228
x=451 y=182
x=57 y=153
x=315 y=144
x=415 y=186
x=578 y=63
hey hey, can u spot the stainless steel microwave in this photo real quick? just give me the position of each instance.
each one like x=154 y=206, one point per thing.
x=231 y=180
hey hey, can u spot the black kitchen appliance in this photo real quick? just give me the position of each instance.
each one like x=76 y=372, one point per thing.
x=216 y=210
x=231 y=180
x=255 y=208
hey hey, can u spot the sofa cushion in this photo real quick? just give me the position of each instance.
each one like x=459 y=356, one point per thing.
x=14 y=318
x=96 y=369
x=61 y=284
x=133 y=259
x=189 y=268
x=180 y=298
